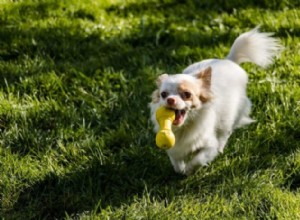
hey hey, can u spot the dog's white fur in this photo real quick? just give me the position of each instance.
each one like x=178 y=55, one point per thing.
x=215 y=103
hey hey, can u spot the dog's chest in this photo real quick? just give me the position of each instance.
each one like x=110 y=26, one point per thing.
x=192 y=136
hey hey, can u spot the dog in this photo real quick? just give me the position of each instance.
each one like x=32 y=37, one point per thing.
x=210 y=101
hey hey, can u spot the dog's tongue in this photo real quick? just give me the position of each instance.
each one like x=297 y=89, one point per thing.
x=179 y=116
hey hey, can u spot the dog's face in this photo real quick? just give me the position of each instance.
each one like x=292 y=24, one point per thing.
x=183 y=93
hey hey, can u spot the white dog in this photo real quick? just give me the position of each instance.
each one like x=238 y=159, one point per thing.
x=210 y=100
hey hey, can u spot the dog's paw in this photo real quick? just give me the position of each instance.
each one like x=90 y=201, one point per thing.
x=190 y=169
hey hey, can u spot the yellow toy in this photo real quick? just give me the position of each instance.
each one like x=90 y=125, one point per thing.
x=165 y=138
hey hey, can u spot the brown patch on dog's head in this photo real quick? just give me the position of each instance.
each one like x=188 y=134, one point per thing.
x=189 y=91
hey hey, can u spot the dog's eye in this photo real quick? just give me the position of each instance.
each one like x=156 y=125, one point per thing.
x=164 y=95
x=186 y=95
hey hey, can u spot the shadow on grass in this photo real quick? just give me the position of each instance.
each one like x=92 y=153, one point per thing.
x=65 y=47
x=195 y=5
x=136 y=171
x=77 y=58
x=97 y=187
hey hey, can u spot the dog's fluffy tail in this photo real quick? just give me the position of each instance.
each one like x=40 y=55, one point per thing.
x=256 y=47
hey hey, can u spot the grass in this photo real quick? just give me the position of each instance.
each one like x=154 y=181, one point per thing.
x=76 y=141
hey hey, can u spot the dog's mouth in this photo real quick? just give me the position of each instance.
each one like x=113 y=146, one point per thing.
x=179 y=116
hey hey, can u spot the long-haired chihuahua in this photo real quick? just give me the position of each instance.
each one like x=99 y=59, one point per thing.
x=210 y=101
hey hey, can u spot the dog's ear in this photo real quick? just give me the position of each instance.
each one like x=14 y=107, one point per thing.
x=205 y=78
x=161 y=78
x=155 y=96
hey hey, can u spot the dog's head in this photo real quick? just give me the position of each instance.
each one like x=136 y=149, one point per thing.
x=183 y=93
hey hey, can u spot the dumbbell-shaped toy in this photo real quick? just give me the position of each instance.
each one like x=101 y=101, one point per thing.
x=165 y=138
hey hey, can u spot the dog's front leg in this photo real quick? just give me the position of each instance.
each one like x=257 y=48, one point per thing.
x=178 y=164
x=204 y=156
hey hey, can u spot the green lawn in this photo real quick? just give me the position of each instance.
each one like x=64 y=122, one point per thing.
x=75 y=137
